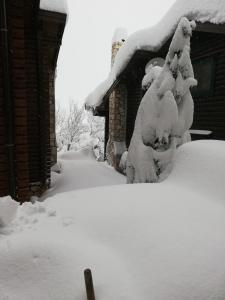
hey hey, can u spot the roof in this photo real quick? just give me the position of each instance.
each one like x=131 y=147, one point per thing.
x=152 y=39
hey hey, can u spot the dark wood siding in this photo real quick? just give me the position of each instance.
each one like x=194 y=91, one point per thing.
x=134 y=96
x=210 y=109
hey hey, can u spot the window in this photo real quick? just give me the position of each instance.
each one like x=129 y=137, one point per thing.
x=204 y=70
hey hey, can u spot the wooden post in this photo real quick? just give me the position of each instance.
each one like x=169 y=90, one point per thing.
x=89 y=285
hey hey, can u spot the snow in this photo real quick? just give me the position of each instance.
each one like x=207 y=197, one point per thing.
x=80 y=170
x=165 y=113
x=153 y=38
x=159 y=241
x=119 y=35
x=8 y=210
x=201 y=132
x=54 y=5
x=150 y=76
x=156 y=61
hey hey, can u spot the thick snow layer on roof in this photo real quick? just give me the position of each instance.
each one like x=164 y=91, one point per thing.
x=153 y=38
x=142 y=241
x=54 y=5
x=119 y=35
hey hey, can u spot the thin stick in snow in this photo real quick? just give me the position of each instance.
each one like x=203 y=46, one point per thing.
x=89 y=285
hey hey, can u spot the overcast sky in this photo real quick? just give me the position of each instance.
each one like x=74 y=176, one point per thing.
x=84 y=58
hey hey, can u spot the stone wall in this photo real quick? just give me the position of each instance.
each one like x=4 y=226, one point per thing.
x=117 y=118
x=115 y=48
x=117 y=123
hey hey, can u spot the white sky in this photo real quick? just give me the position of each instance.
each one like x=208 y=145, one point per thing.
x=84 y=58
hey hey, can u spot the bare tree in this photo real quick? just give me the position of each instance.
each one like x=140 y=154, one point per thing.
x=74 y=125
x=96 y=126
x=96 y=130
x=69 y=125
x=59 y=126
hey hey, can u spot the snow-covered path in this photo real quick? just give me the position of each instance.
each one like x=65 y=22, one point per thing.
x=80 y=171
x=142 y=241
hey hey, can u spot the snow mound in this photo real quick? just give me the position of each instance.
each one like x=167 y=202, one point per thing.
x=8 y=210
x=144 y=241
x=198 y=165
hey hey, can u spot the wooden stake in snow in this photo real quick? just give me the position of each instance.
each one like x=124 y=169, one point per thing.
x=89 y=285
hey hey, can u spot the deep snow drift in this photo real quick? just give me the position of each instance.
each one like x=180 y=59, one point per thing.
x=144 y=241
x=80 y=170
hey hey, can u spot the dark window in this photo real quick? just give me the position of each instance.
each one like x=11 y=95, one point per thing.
x=204 y=70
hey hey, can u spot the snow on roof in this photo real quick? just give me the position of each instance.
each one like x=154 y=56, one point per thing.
x=152 y=39
x=120 y=34
x=54 y=5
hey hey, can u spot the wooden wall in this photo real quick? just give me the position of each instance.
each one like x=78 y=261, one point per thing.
x=210 y=109
x=134 y=96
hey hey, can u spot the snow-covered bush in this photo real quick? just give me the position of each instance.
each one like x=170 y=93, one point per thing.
x=8 y=210
x=165 y=113
x=150 y=76
x=123 y=162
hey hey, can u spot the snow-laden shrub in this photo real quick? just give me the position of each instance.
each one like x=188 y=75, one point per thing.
x=123 y=162
x=165 y=113
x=8 y=210
x=150 y=76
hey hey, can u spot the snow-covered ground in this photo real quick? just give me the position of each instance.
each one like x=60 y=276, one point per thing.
x=160 y=241
x=80 y=170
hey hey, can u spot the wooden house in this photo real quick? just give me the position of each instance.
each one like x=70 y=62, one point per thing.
x=121 y=99
x=30 y=39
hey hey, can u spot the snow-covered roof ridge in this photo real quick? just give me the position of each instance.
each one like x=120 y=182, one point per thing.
x=153 y=38
x=54 y=5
